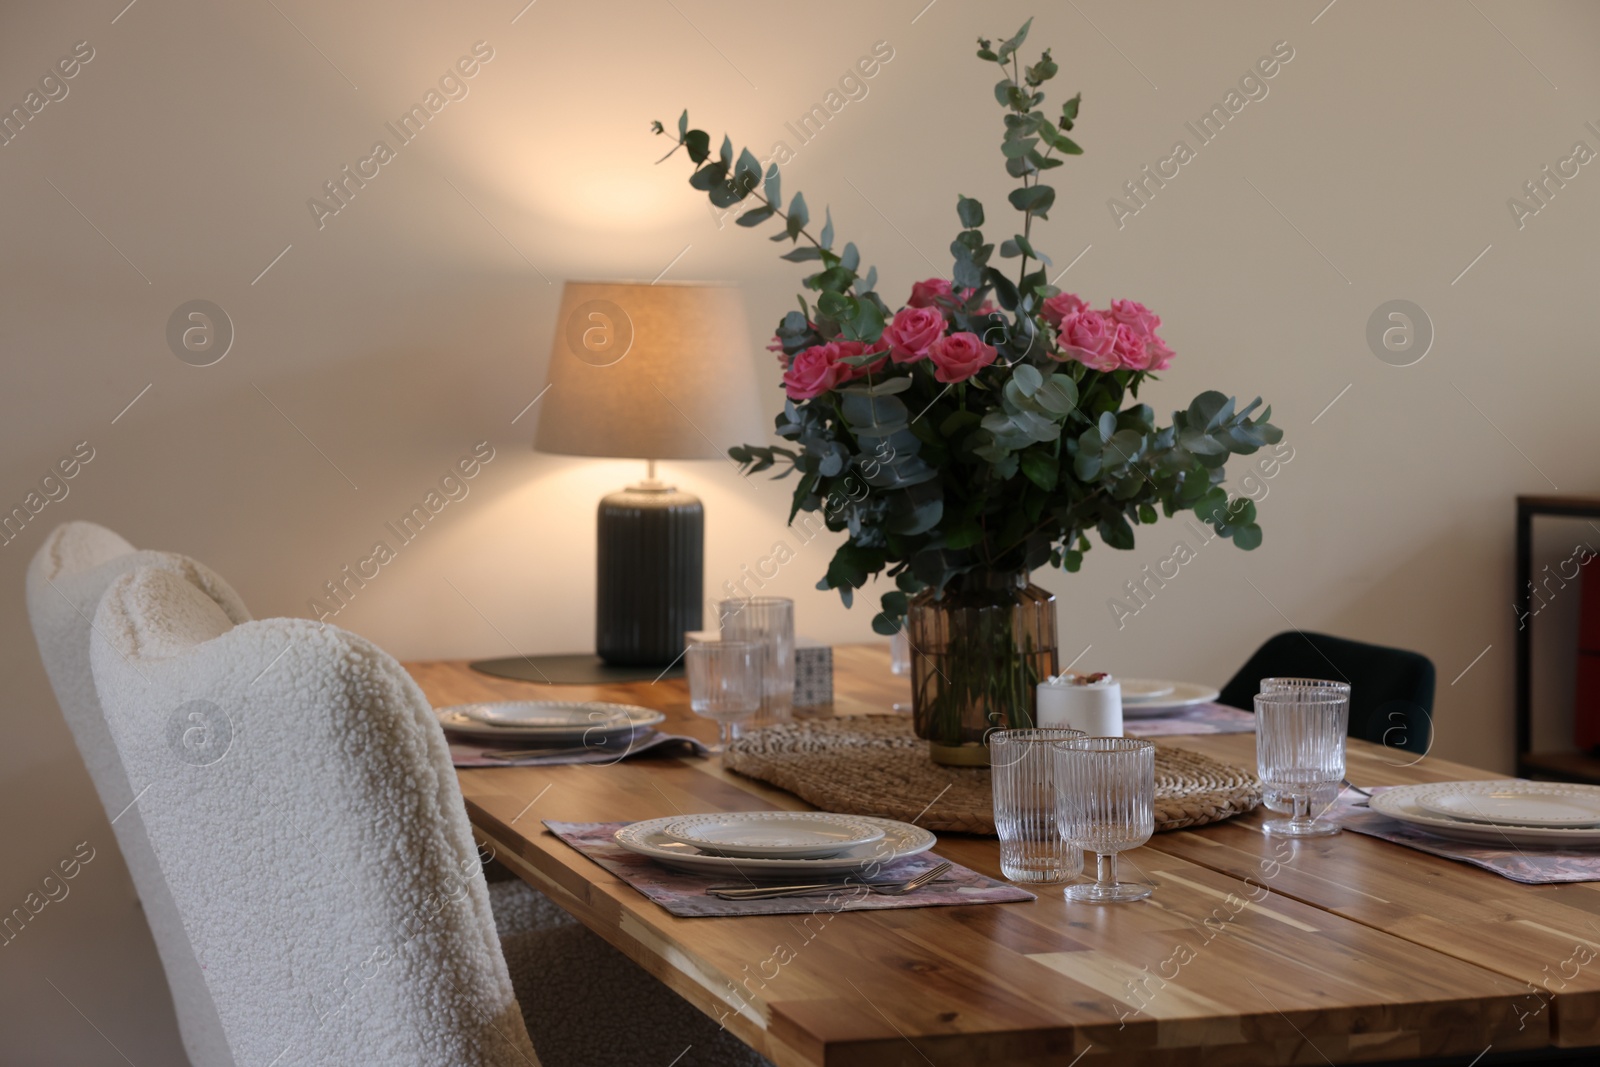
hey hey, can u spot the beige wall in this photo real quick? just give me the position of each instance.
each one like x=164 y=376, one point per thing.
x=410 y=325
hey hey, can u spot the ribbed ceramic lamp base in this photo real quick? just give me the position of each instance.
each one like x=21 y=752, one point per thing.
x=651 y=574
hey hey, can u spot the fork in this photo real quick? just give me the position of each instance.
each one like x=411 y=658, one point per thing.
x=888 y=889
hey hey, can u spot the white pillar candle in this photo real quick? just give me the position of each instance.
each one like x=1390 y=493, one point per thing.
x=1093 y=707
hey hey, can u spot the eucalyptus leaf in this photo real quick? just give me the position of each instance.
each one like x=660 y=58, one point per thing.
x=916 y=510
x=1040 y=468
x=1058 y=396
x=1115 y=532
x=698 y=143
x=798 y=215
x=1014 y=43
x=747 y=171
x=968 y=274
x=970 y=212
x=1034 y=198
x=885 y=387
x=879 y=414
x=773 y=189
x=1028 y=379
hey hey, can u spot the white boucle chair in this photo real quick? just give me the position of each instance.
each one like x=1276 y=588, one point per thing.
x=66 y=579
x=299 y=797
x=560 y=970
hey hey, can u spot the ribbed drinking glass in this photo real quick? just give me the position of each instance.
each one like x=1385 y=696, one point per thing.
x=1023 y=769
x=1105 y=797
x=1300 y=753
x=725 y=681
x=1324 y=797
x=769 y=619
x=1315 y=687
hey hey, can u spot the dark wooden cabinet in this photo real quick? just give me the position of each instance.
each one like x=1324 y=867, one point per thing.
x=1564 y=766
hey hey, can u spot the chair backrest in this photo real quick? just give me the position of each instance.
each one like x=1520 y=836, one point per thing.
x=298 y=794
x=1391 y=689
x=66 y=579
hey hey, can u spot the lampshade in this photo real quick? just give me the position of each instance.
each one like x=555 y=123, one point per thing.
x=650 y=371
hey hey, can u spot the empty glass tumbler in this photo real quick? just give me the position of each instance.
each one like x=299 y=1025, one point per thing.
x=1323 y=798
x=725 y=681
x=769 y=619
x=1023 y=770
x=1105 y=804
x=1300 y=735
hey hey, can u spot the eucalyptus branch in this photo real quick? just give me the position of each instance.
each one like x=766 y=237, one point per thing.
x=776 y=210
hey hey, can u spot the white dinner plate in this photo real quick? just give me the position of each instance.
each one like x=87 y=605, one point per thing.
x=899 y=841
x=545 y=714
x=1400 y=804
x=1180 y=696
x=1144 y=690
x=555 y=722
x=795 y=834
x=1547 y=804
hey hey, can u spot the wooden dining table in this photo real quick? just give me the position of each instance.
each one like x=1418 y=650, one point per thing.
x=1252 y=949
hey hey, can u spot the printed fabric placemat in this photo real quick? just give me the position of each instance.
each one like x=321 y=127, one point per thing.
x=1531 y=866
x=466 y=752
x=683 y=893
x=1200 y=719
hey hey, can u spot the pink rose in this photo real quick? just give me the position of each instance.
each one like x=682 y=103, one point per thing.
x=1130 y=347
x=959 y=356
x=849 y=373
x=777 y=346
x=1087 y=337
x=1135 y=314
x=929 y=293
x=1159 y=354
x=1060 y=306
x=911 y=333
x=813 y=372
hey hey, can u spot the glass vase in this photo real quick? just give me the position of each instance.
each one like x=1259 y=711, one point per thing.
x=978 y=652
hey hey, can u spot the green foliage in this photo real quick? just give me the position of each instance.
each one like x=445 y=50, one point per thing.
x=729 y=180
x=1012 y=469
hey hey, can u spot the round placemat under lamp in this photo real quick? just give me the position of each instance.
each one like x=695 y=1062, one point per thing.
x=651 y=372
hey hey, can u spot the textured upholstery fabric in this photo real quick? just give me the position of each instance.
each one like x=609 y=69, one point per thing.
x=1391 y=690
x=299 y=797
x=66 y=579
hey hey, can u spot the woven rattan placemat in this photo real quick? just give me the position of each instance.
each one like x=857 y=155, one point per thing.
x=873 y=765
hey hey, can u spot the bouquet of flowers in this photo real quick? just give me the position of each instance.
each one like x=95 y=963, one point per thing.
x=990 y=424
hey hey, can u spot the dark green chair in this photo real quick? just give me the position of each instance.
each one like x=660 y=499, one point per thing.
x=1391 y=690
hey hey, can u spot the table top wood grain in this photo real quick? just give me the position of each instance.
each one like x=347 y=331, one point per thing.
x=1251 y=951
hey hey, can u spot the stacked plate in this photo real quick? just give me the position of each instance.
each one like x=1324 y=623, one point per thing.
x=550 y=722
x=1151 y=698
x=1510 y=812
x=758 y=844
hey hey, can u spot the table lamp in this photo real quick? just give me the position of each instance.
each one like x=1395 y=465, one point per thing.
x=649 y=372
